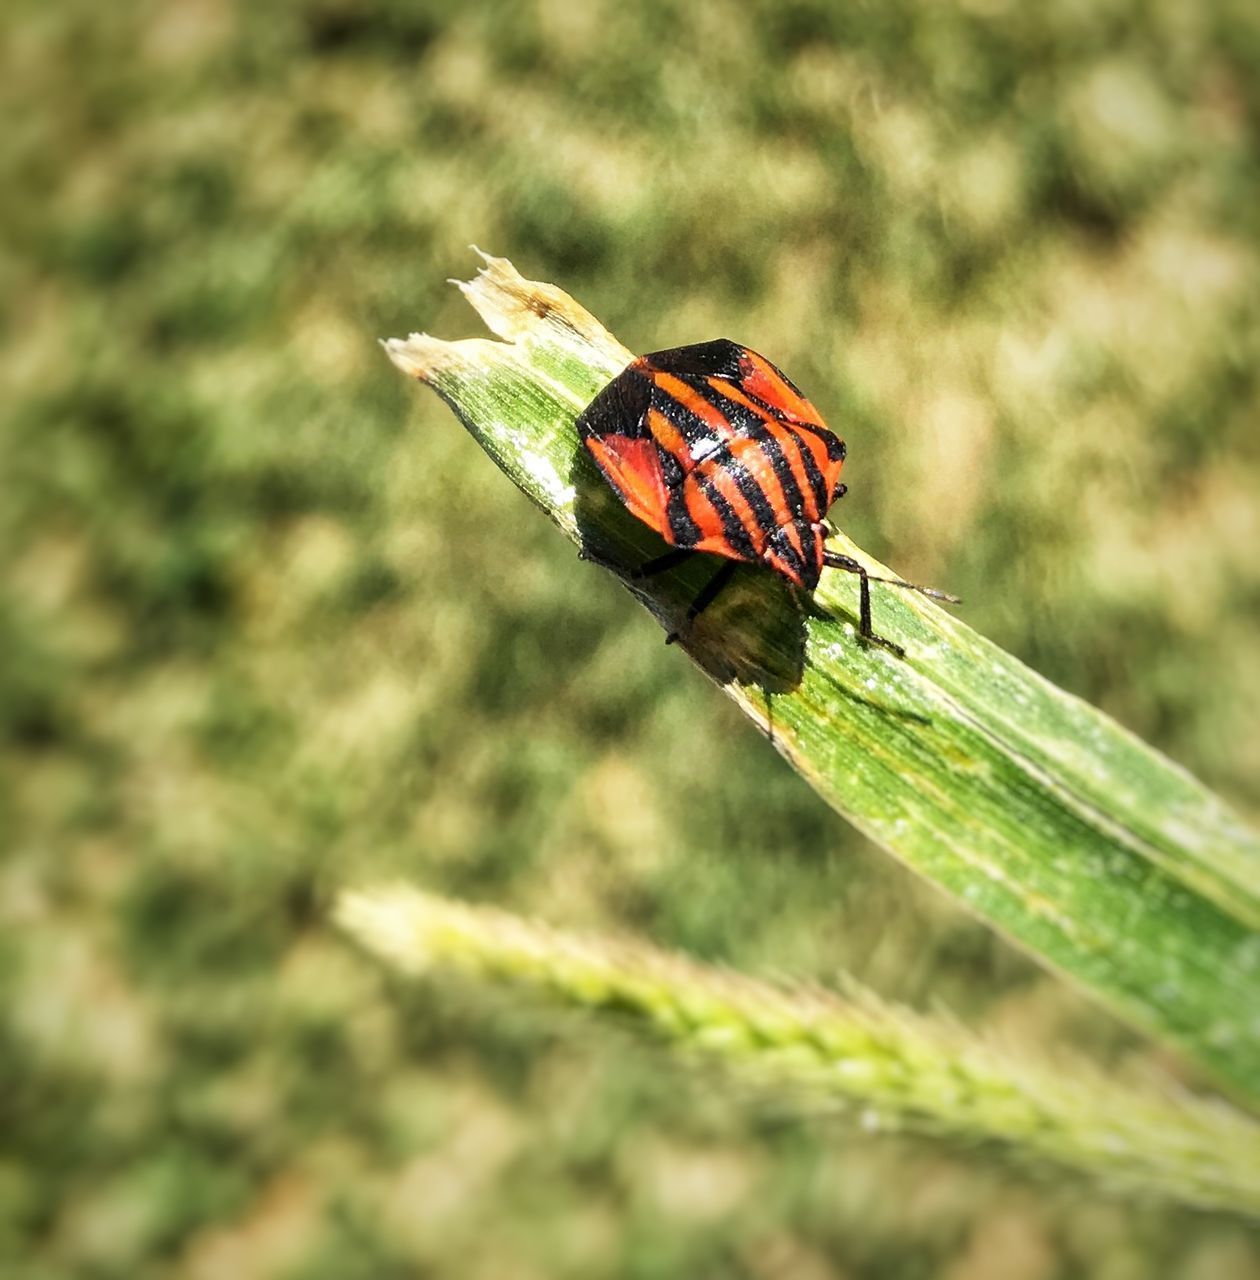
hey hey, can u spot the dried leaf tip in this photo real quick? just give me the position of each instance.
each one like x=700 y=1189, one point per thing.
x=418 y=355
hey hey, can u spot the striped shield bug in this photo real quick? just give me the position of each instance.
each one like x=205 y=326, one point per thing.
x=717 y=450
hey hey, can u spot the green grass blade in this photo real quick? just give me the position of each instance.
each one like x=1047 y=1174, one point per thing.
x=901 y=1070
x=1090 y=850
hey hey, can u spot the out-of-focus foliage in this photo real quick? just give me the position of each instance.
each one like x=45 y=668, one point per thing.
x=805 y=1046
x=271 y=622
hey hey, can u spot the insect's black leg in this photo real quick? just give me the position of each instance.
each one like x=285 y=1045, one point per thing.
x=836 y=561
x=708 y=593
x=661 y=564
x=711 y=589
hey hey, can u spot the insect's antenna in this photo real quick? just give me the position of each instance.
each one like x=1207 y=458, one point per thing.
x=924 y=591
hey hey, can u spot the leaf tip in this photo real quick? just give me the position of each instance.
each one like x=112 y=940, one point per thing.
x=419 y=355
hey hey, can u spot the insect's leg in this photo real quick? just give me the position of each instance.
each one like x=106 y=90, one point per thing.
x=661 y=564
x=711 y=590
x=708 y=593
x=834 y=560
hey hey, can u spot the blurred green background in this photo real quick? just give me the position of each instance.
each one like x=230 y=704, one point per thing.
x=272 y=624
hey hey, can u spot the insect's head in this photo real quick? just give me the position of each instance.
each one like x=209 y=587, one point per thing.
x=795 y=550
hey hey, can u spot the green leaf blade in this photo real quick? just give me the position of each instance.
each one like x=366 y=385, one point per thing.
x=1083 y=846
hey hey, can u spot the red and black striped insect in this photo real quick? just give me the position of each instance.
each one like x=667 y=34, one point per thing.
x=719 y=452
